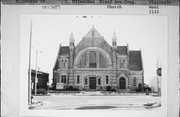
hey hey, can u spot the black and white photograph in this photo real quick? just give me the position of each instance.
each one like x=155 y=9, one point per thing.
x=93 y=62
x=89 y=58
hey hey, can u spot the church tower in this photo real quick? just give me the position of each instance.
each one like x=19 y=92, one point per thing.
x=71 y=49
x=114 y=48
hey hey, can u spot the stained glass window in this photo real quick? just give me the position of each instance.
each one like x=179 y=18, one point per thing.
x=90 y=59
x=102 y=61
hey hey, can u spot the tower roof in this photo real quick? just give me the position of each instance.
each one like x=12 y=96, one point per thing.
x=71 y=37
x=135 y=61
x=93 y=33
x=64 y=50
x=122 y=50
x=114 y=37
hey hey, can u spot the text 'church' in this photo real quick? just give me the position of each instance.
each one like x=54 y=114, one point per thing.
x=93 y=64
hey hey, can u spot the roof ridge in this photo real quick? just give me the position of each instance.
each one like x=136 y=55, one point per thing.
x=64 y=46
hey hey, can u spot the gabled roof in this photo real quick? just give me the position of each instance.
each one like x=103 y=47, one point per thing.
x=64 y=50
x=93 y=33
x=93 y=39
x=135 y=61
x=122 y=50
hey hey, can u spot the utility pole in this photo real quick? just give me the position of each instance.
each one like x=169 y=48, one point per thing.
x=36 y=73
x=159 y=72
x=35 y=80
x=29 y=70
x=157 y=80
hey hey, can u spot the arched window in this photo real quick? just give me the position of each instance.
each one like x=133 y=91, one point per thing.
x=107 y=79
x=122 y=63
x=134 y=81
x=63 y=79
x=83 y=61
x=86 y=81
x=92 y=59
x=99 y=81
x=78 y=79
x=102 y=61
x=63 y=63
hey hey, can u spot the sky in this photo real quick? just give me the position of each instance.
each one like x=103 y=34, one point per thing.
x=147 y=33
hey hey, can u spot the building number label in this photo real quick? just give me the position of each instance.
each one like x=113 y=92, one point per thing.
x=153 y=9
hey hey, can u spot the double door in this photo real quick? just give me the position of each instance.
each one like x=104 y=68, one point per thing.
x=92 y=82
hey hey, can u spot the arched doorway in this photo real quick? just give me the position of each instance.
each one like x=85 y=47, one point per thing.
x=122 y=83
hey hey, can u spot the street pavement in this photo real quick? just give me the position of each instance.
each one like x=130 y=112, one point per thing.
x=68 y=102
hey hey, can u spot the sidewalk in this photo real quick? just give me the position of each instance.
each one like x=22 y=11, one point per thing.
x=97 y=101
x=35 y=104
x=48 y=105
x=99 y=93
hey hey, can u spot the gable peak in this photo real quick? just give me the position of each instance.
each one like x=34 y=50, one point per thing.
x=93 y=33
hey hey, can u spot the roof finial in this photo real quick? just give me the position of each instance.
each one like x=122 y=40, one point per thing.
x=92 y=26
x=114 y=36
x=71 y=37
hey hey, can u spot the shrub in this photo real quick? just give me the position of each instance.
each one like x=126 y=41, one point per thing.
x=109 y=88
x=113 y=89
x=138 y=90
x=71 y=88
x=147 y=89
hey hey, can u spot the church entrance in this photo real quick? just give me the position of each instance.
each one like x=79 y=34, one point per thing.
x=122 y=83
x=92 y=82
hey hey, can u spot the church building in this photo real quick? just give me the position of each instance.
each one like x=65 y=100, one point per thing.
x=93 y=64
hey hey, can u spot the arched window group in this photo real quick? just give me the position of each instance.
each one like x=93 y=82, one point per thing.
x=122 y=63
x=63 y=63
x=92 y=59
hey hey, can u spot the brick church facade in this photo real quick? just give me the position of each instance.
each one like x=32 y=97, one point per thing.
x=93 y=65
